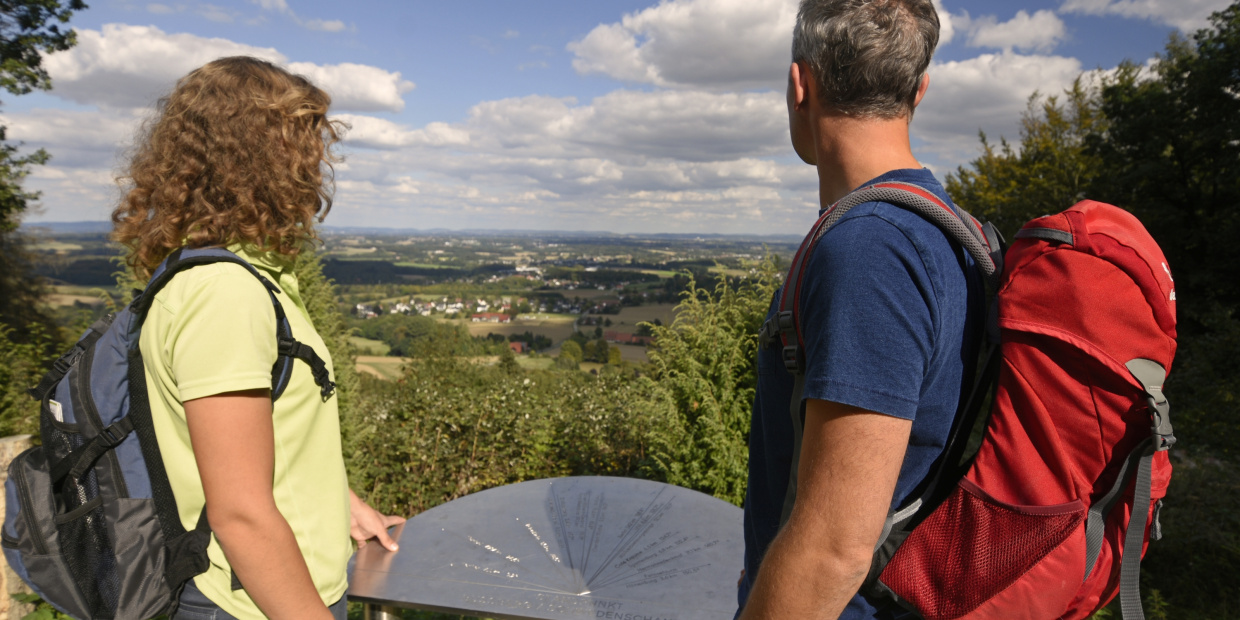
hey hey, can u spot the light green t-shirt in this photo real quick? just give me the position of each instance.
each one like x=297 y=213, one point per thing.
x=212 y=330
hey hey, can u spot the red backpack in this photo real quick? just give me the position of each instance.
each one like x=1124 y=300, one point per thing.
x=1038 y=522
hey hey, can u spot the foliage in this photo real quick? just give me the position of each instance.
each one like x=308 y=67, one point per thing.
x=451 y=427
x=570 y=349
x=28 y=29
x=415 y=336
x=706 y=364
x=42 y=609
x=1053 y=169
x=22 y=364
x=1173 y=155
x=1194 y=566
x=319 y=295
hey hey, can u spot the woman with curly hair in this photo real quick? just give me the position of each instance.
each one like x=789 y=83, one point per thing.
x=239 y=156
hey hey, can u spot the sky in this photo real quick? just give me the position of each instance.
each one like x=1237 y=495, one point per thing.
x=603 y=115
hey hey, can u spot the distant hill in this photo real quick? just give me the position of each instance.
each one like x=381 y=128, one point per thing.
x=73 y=228
x=104 y=227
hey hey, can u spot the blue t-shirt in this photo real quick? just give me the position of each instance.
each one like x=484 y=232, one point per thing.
x=890 y=313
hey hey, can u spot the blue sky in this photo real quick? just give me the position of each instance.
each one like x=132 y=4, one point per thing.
x=631 y=116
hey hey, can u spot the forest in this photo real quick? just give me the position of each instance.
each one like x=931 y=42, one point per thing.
x=1161 y=141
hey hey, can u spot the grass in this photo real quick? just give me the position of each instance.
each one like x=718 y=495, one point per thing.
x=728 y=271
x=59 y=247
x=356 y=251
x=384 y=367
x=366 y=346
x=555 y=330
x=424 y=265
x=535 y=363
x=632 y=315
x=662 y=273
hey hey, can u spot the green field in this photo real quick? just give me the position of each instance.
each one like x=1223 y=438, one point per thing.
x=356 y=251
x=535 y=363
x=55 y=246
x=366 y=346
x=729 y=271
x=380 y=366
x=424 y=265
x=659 y=272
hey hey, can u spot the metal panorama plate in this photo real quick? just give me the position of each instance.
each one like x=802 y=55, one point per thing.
x=583 y=547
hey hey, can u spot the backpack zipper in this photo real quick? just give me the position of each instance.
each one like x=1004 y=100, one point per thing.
x=23 y=488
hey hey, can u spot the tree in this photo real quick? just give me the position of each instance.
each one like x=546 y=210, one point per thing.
x=1054 y=168
x=28 y=29
x=1173 y=150
x=571 y=350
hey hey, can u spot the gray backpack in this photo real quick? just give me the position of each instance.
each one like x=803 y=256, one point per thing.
x=91 y=523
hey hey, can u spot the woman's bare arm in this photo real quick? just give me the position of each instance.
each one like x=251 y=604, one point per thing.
x=233 y=444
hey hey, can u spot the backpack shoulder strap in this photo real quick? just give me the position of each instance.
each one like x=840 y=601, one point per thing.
x=981 y=241
x=288 y=348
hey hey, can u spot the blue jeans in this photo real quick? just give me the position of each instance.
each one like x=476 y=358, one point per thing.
x=196 y=606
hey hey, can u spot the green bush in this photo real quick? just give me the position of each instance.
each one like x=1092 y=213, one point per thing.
x=451 y=427
x=705 y=363
x=22 y=364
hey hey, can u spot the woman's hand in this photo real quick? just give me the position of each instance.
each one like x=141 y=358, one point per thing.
x=366 y=523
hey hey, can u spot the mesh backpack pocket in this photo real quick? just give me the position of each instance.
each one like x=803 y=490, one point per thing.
x=974 y=547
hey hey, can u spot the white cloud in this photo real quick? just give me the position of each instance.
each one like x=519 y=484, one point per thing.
x=357 y=87
x=159 y=9
x=323 y=25
x=1040 y=32
x=282 y=7
x=216 y=14
x=704 y=44
x=378 y=133
x=684 y=125
x=947 y=28
x=279 y=6
x=86 y=130
x=986 y=93
x=131 y=66
x=1187 y=15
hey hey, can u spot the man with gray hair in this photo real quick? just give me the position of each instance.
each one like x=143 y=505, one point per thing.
x=890 y=311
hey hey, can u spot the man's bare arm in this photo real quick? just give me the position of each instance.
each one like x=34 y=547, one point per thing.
x=850 y=461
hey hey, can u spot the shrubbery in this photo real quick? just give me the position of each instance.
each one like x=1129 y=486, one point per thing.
x=22 y=364
x=705 y=363
x=451 y=427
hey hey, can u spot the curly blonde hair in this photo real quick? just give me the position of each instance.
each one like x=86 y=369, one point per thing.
x=239 y=152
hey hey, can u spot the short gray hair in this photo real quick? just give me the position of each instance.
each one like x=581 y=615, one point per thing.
x=867 y=56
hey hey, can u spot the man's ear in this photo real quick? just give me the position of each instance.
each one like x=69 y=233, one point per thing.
x=921 y=89
x=799 y=85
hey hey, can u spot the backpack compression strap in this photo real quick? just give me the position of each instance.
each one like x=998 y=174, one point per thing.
x=981 y=241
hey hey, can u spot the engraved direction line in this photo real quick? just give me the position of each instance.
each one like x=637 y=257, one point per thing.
x=595 y=525
x=638 y=526
x=643 y=565
x=546 y=549
x=580 y=525
x=549 y=579
x=567 y=542
x=633 y=530
x=643 y=522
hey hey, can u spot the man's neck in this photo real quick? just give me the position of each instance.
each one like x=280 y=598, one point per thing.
x=851 y=151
